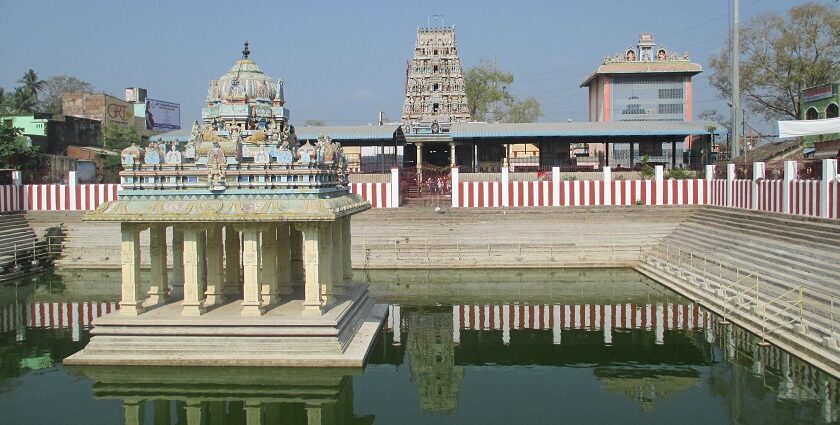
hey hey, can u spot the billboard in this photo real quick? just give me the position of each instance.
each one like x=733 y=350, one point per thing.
x=117 y=112
x=162 y=116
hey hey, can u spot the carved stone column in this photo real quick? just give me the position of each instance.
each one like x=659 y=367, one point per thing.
x=194 y=278
x=233 y=269
x=252 y=304
x=159 y=288
x=284 y=275
x=132 y=299
x=317 y=274
x=325 y=264
x=337 y=250
x=177 y=257
x=268 y=254
x=296 y=256
x=215 y=266
x=346 y=255
x=419 y=147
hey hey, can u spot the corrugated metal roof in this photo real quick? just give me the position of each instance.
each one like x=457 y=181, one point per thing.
x=352 y=132
x=664 y=67
x=580 y=129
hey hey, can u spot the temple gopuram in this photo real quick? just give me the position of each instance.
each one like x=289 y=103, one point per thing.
x=259 y=228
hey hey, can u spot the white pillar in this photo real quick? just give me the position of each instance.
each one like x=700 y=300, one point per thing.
x=395 y=188
x=252 y=304
x=253 y=412
x=312 y=250
x=194 y=278
x=177 y=257
x=346 y=256
x=233 y=268
x=456 y=189
x=505 y=188
x=17 y=178
x=215 y=266
x=132 y=301
x=397 y=325
x=659 y=173
x=555 y=187
x=336 y=248
x=284 y=272
x=268 y=262
x=758 y=173
x=829 y=173
x=159 y=288
x=607 y=195
x=134 y=411
x=195 y=412
x=325 y=264
x=452 y=154
x=790 y=175
x=730 y=183
x=710 y=175
x=71 y=178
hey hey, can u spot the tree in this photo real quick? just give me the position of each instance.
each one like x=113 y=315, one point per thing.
x=55 y=87
x=314 y=123
x=32 y=83
x=527 y=110
x=487 y=93
x=16 y=153
x=22 y=101
x=781 y=55
x=118 y=138
x=4 y=101
x=486 y=86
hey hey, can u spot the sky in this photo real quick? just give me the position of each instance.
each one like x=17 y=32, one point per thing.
x=344 y=61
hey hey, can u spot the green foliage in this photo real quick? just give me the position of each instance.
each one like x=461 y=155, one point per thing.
x=115 y=137
x=486 y=85
x=488 y=97
x=16 y=153
x=677 y=174
x=646 y=170
x=22 y=101
x=781 y=54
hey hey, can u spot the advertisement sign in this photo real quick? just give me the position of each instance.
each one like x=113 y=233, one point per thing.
x=118 y=112
x=162 y=116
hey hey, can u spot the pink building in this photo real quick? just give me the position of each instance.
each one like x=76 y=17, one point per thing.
x=642 y=83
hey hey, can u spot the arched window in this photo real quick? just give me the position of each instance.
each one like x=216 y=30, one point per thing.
x=811 y=114
x=831 y=111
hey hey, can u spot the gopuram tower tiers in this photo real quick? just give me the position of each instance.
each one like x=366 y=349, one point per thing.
x=259 y=229
x=435 y=96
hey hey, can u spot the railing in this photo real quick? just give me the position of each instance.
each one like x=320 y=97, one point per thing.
x=290 y=176
x=32 y=254
x=777 y=307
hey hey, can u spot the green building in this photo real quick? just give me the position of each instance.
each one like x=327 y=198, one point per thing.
x=820 y=102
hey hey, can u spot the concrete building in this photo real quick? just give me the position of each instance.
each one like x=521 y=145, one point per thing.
x=645 y=82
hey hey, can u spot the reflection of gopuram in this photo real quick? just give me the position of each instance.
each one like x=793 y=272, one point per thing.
x=260 y=231
x=431 y=352
x=197 y=396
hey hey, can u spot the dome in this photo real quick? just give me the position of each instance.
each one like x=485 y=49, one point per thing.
x=247 y=81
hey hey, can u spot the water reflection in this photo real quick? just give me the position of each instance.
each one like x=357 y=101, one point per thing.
x=252 y=396
x=614 y=344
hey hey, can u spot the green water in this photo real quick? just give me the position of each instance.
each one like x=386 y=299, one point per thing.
x=481 y=347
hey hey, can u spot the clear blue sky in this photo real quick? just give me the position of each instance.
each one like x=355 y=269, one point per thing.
x=345 y=61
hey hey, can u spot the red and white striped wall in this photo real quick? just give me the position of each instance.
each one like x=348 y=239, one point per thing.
x=10 y=198
x=742 y=193
x=770 y=195
x=805 y=197
x=834 y=199
x=378 y=194
x=57 y=315
x=717 y=192
x=62 y=197
x=578 y=193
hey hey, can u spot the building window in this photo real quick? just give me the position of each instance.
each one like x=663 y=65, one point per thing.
x=435 y=69
x=670 y=108
x=831 y=111
x=435 y=87
x=670 y=93
x=811 y=114
x=435 y=107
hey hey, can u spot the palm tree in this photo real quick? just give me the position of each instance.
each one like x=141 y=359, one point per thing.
x=4 y=100
x=22 y=101
x=32 y=83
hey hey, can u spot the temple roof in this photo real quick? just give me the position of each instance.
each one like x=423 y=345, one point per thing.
x=245 y=80
x=659 y=67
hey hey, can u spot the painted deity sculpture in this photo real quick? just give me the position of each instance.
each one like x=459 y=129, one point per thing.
x=130 y=155
x=172 y=156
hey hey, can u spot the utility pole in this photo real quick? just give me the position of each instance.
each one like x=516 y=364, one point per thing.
x=734 y=149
